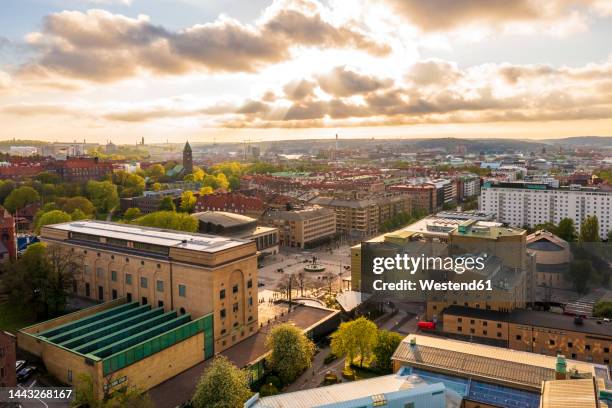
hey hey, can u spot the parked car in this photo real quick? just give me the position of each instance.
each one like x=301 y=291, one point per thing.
x=19 y=364
x=25 y=373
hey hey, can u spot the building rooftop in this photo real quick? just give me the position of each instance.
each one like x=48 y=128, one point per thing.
x=488 y=363
x=569 y=394
x=358 y=392
x=146 y=235
x=535 y=318
x=301 y=214
x=224 y=219
x=122 y=334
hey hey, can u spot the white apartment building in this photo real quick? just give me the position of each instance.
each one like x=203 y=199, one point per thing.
x=519 y=204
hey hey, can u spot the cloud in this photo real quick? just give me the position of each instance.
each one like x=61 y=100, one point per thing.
x=104 y=47
x=433 y=72
x=439 y=92
x=343 y=82
x=444 y=15
x=299 y=89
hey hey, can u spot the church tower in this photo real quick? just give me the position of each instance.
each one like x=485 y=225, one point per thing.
x=187 y=159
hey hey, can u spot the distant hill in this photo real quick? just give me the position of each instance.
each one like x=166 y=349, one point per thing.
x=592 y=141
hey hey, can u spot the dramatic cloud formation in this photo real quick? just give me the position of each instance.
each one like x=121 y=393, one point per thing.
x=104 y=47
x=441 y=15
x=488 y=93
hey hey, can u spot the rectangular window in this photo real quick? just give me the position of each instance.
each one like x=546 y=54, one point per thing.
x=570 y=344
x=222 y=313
x=250 y=301
x=144 y=282
x=235 y=289
x=222 y=294
x=114 y=276
x=182 y=290
x=250 y=283
x=518 y=336
x=69 y=376
x=128 y=278
x=235 y=307
x=114 y=294
x=160 y=286
x=99 y=272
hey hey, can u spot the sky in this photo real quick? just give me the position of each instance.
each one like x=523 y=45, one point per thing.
x=235 y=70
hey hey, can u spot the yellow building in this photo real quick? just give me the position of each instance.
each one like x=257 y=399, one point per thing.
x=119 y=344
x=534 y=331
x=303 y=228
x=193 y=274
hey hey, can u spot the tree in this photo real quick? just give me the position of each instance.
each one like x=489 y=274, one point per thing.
x=223 y=385
x=131 y=397
x=156 y=171
x=579 y=273
x=206 y=190
x=41 y=278
x=292 y=351
x=48 y=178
x=169 y=220
x=69 y=204
x=103 y=194
x=188 y=201
x=566 y=230
x=356 y=338
x=589 y=231
x=386 y=344
x=6 y=187
x=167 y=204
x=610 y=236
x=21 y=197
x=132 y=213
x=52 y=217
x=128 y=184
x=78 y=215
x=603 y=309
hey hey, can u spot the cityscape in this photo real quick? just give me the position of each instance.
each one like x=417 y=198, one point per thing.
x=302 y=203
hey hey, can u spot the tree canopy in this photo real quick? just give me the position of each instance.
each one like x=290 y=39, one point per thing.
x=21 y=197
x=292 y=351
x=103 y=194
x=52 y=217
x=386 y=344
x=589 y=230
x=169 y=220
x=223 y=385
x=355 y=338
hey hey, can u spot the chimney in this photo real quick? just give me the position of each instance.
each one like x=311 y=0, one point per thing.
x=413 y=342
x=561 y=368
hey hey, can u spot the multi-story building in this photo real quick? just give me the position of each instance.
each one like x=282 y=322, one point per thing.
x=150 y=200
x=8 y=240
x=193 y=274
x=81 y=169
x=422 y=196
x=363 y=216
x=233 y=202
x=528 y=204
x=468 y=186
x=446 y=191
x=303 y=228
x=8 y=357
x=533 y=331
x=484 y=376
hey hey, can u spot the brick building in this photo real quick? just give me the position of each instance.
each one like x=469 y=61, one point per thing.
x=8 y=240
x=231 y=202
x=81 y=169
x=8 y=377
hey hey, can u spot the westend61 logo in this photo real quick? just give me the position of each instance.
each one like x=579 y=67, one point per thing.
x=411 y=264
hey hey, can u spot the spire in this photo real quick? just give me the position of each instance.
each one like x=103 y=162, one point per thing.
x=187 y=147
